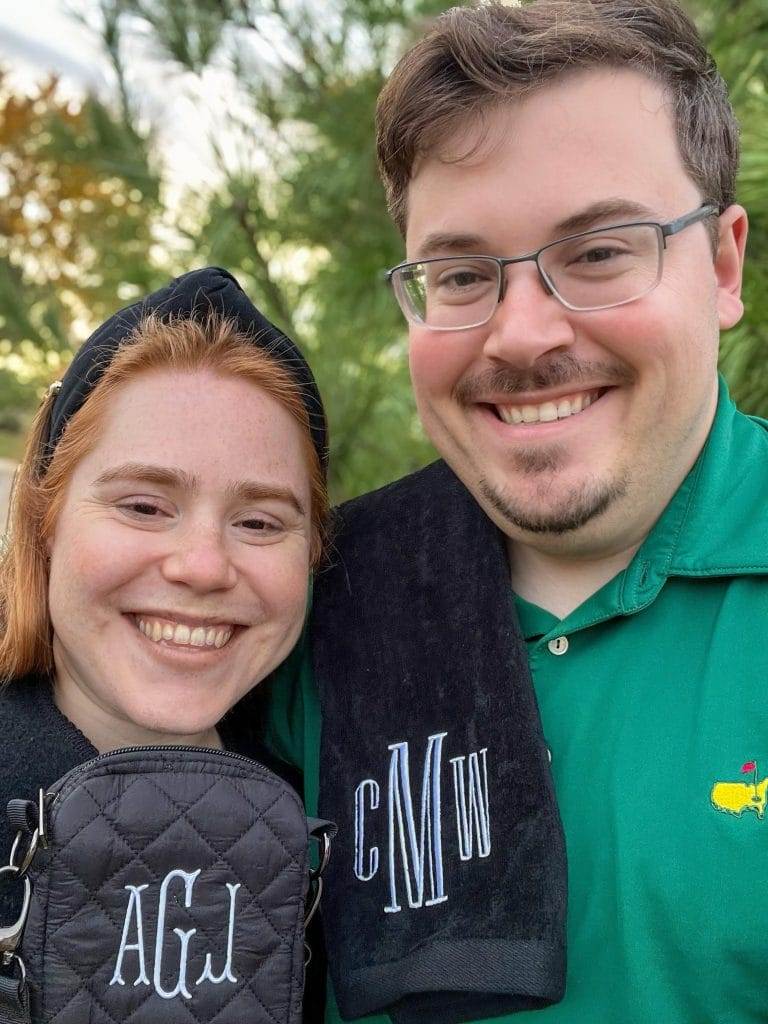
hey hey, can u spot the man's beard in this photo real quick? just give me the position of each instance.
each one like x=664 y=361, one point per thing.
x=545 y=461
x=581 y=505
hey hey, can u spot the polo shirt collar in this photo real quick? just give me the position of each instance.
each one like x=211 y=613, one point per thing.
x=715 y=525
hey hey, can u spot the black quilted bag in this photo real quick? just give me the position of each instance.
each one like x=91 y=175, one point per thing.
x=161 y=885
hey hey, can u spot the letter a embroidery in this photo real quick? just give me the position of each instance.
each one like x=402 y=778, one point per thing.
x=134 y=905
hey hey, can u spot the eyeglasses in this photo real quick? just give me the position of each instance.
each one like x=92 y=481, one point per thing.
x=591 y=270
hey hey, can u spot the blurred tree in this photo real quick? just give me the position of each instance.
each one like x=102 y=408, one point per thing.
x=299 y=217
x=297 y=212
x=77 y=203
x=737 y=34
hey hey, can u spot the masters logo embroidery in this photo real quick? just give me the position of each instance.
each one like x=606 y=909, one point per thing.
x=737 y=797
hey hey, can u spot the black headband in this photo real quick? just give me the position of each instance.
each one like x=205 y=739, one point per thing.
x=195 y=295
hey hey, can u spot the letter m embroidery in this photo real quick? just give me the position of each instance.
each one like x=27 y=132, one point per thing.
x=420 y=849
x=473 y=817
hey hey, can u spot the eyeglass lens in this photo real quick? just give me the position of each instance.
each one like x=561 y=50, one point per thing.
x=591 y=271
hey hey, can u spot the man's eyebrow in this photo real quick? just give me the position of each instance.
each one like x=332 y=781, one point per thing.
x=243 y=490
x=443 y=243
x=616 y=211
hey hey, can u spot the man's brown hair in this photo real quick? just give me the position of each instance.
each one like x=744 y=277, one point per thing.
x=476 y=57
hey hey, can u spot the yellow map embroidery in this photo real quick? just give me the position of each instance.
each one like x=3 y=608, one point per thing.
x=737 y=797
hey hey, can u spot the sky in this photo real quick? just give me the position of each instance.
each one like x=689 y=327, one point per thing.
x=39 y=37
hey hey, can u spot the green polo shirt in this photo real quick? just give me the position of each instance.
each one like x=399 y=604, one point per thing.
x=654 y=702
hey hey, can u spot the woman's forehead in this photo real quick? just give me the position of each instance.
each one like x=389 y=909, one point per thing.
x=204 y=424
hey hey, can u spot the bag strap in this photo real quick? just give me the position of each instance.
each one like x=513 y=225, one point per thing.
x=29 y=820
x=14 y=993
x=23 y=816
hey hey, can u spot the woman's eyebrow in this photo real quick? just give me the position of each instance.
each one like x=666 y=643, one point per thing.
x=138 y=472
x=250 y=490
x=242 y=490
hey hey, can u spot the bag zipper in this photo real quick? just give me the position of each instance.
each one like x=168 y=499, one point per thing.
x=57 y=787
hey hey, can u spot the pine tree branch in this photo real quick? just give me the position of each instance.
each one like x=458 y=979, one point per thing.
x=274 y=293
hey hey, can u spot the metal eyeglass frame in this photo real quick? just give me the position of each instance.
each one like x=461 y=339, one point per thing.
x=664 y=231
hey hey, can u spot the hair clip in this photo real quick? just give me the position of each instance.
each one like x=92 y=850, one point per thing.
x=53 y=389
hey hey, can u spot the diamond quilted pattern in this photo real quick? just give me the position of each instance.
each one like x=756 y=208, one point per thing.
x=172 y=893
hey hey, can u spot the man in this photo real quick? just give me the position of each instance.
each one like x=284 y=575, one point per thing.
x=563 y=176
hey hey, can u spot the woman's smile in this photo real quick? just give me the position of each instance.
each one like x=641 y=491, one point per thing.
x=177 y=632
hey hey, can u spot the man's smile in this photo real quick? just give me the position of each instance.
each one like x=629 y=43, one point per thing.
x=549 y=410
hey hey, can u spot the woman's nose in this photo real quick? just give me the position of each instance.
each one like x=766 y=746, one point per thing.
x=200 y=559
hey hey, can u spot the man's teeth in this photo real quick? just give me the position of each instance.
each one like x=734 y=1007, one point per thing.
x=547 y=412
x=186 y=636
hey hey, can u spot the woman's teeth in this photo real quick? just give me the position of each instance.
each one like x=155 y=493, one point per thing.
x=184 y=636
x=547 y=412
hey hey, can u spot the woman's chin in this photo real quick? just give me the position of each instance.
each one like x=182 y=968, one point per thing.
x=195 y=726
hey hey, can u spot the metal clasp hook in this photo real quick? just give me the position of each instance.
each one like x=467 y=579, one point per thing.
x=325 y=856
x=38 y=838
x=315 y=875
x=28 y=857
x=10 y=935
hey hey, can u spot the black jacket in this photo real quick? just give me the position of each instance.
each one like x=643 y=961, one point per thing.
x=39 y=745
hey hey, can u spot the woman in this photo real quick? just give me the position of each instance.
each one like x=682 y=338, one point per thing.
x=165 y=519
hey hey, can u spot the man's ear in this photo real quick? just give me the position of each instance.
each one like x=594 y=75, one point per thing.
x=729 y=263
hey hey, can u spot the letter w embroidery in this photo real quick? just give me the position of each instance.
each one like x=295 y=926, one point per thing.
x=473 y=817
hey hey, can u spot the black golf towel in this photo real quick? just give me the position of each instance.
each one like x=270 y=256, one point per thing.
x=446 y=897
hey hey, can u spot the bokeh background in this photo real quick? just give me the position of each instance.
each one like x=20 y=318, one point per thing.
x=143 y=138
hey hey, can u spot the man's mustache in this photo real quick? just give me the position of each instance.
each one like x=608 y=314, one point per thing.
x=556 y=372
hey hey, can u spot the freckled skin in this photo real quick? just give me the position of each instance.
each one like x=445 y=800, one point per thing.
x=593 y=136
x=129 y=546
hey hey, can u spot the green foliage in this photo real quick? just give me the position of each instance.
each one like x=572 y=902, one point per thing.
x=11 y=444
x=309 y=234
x=186 y=33
x=77 y=200
x=737 y=34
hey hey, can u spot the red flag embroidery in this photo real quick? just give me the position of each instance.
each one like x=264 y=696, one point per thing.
x=748 y=767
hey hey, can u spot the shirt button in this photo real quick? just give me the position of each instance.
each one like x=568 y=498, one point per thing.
x=558 y=646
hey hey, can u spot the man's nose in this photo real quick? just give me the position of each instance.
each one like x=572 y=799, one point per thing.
x=529 y=322
x=200 y=559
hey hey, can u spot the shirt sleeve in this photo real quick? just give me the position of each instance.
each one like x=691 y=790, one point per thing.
x=292 y=719
x=284 y=709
